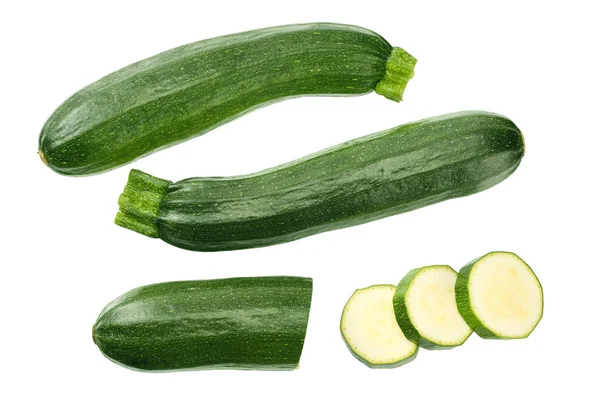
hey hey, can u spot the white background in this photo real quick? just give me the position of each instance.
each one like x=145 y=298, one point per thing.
x=63 y=258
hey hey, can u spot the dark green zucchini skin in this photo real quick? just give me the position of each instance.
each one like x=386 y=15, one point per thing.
x=376 y=176
x=235 y=323
x=187 y=91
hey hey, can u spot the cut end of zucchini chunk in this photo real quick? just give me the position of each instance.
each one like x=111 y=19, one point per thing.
x=499 y=296
x=370 y=330
x=140 y=202
x=399 y=69
x=425 y=308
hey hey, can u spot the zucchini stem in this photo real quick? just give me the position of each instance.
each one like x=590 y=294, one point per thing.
x=139 y=204
x=399 y=69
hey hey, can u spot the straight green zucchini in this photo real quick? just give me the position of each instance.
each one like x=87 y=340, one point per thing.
x=235 y=323
x=187 y=91
x=376 y=176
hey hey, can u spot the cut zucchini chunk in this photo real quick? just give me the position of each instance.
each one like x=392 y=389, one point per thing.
x=425 y=308
x=499 y=296
x=370 y=330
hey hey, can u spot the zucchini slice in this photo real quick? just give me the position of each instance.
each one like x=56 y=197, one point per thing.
x=499 y=296
x=370 y=330
x=425 y=308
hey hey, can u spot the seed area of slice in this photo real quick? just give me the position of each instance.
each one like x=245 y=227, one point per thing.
x=426 y=310
x=499 y=296
x=369 y=328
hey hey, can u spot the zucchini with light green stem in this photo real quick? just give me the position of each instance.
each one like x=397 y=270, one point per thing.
x=190 y=90
x=370 y=331
x=376 y=176
x=235 y=323
x=425 y=308
x=499 y=296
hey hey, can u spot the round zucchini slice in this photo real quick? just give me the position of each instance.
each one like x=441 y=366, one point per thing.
x=370 y=330
x=499 y=296
x=425 y=308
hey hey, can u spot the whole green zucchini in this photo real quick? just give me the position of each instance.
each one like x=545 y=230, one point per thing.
x=234 y=323
x=187 y=91
x=379 y=175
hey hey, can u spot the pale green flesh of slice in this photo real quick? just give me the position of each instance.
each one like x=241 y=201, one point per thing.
x=505 y=295
x=431 y=305
x=370 y=329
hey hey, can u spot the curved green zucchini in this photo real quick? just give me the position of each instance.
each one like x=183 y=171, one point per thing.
x=379 y=175
x=187 y=91
x=235 y=323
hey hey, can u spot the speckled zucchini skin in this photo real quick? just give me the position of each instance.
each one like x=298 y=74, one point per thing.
x=187 y=91
x=376 y=176
x=235 y=323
